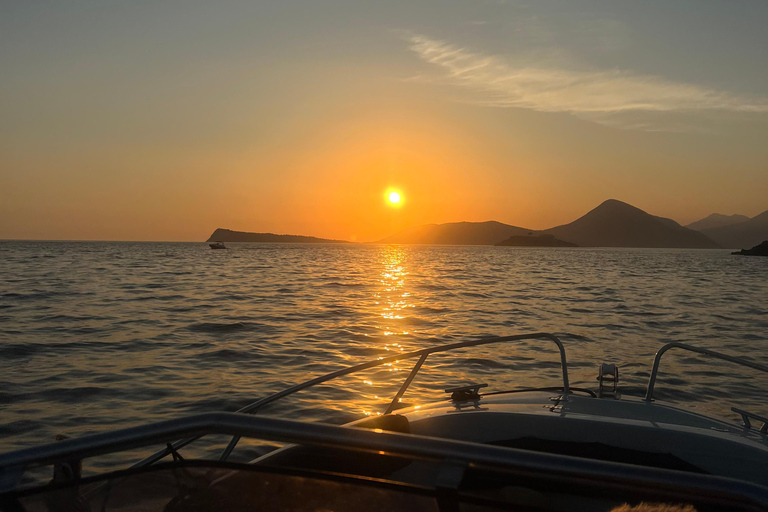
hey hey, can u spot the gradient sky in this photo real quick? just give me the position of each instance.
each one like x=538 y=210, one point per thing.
x=163 y=120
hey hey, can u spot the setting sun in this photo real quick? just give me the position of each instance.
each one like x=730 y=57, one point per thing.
x=394 y=197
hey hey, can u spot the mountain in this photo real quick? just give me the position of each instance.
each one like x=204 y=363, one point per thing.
x=227 y=235
x=456 y=233
x=618 y=224
x=742 y=235
x=716 y=220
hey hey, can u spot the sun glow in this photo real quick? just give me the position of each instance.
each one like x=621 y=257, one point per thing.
x=393 y=198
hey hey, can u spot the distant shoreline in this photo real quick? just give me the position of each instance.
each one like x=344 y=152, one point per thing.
x=613 y=223
x=347 y=244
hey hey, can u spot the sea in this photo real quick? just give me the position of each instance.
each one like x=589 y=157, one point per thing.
x=96 y=336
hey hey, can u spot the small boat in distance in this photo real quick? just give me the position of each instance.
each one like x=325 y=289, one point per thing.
x=218 y=245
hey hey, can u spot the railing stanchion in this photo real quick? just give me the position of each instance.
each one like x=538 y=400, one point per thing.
x=706 y=352
x=407 y=383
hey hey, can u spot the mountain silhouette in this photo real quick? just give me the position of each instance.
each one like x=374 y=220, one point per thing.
x=716 y=220
x=618 y=224
x=456 y=233
x=742 y=235
x=228 y=235
x=612 y=224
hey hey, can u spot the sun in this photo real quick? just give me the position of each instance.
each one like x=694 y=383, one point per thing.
x=394 y=197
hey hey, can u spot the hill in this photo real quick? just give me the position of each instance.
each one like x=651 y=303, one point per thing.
x=716 y=220
x=618 y=224
x=227 y=235
x=742 y=235
x=456 y=233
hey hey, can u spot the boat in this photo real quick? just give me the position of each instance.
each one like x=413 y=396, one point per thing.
x=217 y=245
x=552 y=448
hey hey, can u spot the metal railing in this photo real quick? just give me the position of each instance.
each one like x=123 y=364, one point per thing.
x=421 y=354
x=712 y=353
x=558 y=468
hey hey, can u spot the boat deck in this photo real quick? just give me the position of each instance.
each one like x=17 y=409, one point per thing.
x=628 y=430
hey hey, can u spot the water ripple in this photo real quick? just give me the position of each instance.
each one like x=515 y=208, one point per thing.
x=104 y=335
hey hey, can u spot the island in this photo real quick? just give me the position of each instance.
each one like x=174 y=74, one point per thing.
x=618 y=224
x=758 y=250
x=531 y=240
x=228 y=235
x=456 y=233
x=613 y=223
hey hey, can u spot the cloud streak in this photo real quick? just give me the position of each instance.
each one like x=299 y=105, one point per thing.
x=607 y=97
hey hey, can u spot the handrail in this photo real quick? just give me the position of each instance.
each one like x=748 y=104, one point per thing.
x=421 y=354
x=745 y=417
x=255 y=406
x=717 y=355
x=497 y=458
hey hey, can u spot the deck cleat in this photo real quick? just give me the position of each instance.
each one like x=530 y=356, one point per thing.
x=608 y=379
x=466 y=392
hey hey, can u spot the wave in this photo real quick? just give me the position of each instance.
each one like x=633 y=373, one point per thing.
x=216 y=327
x=128 y=336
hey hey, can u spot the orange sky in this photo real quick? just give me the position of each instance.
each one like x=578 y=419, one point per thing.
x=157 y=125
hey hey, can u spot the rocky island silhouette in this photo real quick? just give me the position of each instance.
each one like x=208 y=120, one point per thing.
x=228 y=235
x=613 y=223
x=758 y=250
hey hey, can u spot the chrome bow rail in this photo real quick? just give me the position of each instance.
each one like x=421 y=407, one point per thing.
x=712 y=353
x=558 y=469
x=421 y=354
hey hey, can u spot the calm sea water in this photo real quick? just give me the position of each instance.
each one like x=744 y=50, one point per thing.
x=96 y=336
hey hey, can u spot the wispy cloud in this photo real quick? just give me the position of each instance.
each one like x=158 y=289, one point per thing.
x=606 y=97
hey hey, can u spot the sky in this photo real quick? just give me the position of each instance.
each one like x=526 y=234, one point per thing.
x=167 y=119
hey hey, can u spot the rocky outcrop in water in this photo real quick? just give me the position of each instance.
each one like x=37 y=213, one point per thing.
x=758 y=250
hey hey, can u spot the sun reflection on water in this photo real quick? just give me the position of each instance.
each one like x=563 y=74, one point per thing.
x=392 y=299
x=392 y=296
